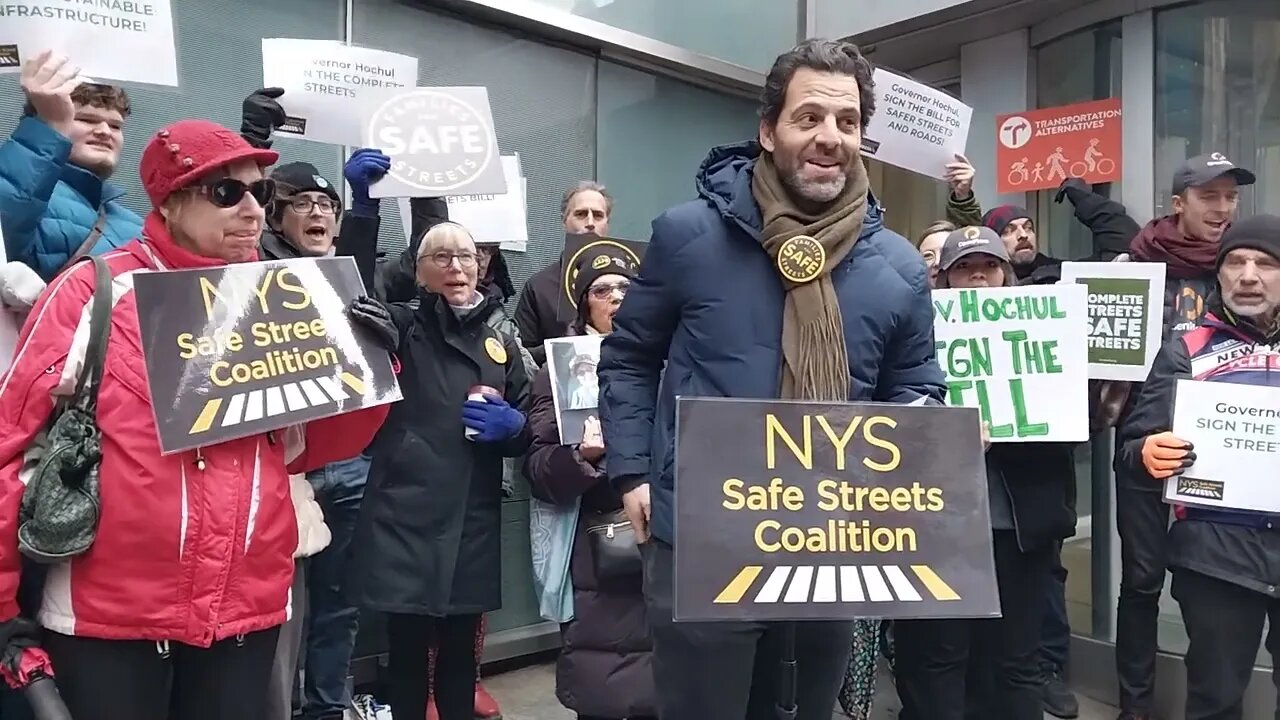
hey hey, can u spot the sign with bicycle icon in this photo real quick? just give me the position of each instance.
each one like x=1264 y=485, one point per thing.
x=1039 y=149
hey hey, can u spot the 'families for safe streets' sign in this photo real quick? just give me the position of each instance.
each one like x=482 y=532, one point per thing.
x=820 y=511
x=1235 y=430
x=242 y=349
x=1018 y=354
x=1126 y=314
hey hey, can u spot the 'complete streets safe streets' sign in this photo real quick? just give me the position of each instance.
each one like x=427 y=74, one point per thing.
x=819 y=511
x=242 y=349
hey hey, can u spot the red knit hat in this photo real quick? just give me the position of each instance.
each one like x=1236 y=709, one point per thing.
x=187 y=150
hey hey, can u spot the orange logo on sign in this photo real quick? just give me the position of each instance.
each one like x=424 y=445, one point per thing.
x=1038 y=149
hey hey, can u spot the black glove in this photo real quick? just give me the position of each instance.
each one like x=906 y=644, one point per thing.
x=260 y=115
x=1072 y=182
x=374 y=317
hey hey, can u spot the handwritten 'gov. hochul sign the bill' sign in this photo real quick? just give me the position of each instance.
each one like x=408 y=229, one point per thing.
x=242 y=349
x=1019 y=355
x=816 y=511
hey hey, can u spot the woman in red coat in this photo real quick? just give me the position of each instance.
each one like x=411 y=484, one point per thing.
x=174 y=610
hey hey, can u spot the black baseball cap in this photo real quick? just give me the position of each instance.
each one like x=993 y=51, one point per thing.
x=300 y=177
x=1204 y=169
x=970 y=240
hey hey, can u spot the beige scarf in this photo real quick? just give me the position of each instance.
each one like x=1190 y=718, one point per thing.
x=804 y=249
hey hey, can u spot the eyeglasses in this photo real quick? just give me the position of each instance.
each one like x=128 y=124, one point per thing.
x=303 y=205
x=604 y=290
x=228 y=192
x=445 y=259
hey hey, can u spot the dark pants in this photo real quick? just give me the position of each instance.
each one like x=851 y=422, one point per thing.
x=1224 y=624
x=992 y=663
x=331 y=621
x=729 y=671
x=1142 y=520
x=114 y=679
x=1055 y=631
x=410 y=639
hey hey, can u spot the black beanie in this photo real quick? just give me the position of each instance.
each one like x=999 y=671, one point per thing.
x=297 y=177
x=1258 y=232
x=603 y=260
x=998 y=218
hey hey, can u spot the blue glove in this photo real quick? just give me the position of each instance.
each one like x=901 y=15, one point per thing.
x=365 y=167
x=494 y=419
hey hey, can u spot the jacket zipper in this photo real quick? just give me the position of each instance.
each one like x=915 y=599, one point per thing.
x=608 y=529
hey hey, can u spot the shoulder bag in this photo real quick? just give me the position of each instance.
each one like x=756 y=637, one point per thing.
x=613 y=545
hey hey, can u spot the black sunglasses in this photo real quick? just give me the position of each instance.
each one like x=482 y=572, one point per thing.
x=228 y=192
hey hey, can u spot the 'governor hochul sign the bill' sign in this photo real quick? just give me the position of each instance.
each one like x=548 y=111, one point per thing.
x=818 y=511
x=242 y=349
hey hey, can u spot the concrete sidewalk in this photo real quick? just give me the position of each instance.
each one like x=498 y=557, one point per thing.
x=529 y=694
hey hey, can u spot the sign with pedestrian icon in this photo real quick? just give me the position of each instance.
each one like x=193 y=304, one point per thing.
x=829 y=511
x=242 y=349
x=1039 y=149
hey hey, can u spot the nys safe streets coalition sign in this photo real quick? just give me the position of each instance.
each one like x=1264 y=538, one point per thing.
x=814 y=511
x=242 y=349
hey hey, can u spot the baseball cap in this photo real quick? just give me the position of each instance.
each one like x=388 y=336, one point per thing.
x=1203 y=169
x=300 y=177
x=968 y=241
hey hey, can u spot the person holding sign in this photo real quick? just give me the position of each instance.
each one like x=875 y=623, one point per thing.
x=177 y=605
x=427 y=548
x=55 y=201
x=992 y=666
x=1225 y=563
x=779 y=281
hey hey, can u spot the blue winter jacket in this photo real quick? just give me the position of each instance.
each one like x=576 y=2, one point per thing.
x=708 y=302
x=48 y=206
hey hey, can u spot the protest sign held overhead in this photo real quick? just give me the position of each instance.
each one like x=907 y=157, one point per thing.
x=817 y=511
x=1038 y=149
x=1235 y=430
x=242 y=349
x=326 y=84
x=1019 y=355
x=915 y=127
x=114 y=40
x=575 y=390
x=577 y=247
x=1126 y=314
x=491 y=219
x=441 y=142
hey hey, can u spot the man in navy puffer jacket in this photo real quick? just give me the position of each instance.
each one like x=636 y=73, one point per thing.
x=709 y=301
x=55 y=201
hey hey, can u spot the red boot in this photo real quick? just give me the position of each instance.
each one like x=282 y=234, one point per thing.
x=432 y=713
x=486 y=707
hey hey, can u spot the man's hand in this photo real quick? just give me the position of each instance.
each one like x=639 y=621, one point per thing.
x=592 y=446
x=260 y=115
x=48 y=80
x=1165 y=455
x=636 y=504
x=959 y=176
x=1069 y=183
x=986 y=436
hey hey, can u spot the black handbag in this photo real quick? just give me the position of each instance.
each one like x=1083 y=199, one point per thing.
x=58 y=517
x=613 y=545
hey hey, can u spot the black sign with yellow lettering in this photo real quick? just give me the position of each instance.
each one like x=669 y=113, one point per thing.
x=242 y=349
x=816 y=511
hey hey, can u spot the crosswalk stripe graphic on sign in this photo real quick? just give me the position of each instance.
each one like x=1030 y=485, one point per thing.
x=823 y=583
x=277 y=400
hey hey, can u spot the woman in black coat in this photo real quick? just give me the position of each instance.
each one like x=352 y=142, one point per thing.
x=427 y=548
x=605 y=670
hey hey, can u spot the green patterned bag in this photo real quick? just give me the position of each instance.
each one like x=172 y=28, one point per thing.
x=59 y=515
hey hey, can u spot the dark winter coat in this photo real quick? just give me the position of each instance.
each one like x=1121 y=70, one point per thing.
x=1238 y=547
x=709 y=302
x=543 y=312
x=427 y=541
x=605 y=666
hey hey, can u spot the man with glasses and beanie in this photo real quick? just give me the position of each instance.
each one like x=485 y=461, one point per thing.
x=722 y=307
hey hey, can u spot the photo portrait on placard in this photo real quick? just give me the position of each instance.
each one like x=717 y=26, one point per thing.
x=574 y=387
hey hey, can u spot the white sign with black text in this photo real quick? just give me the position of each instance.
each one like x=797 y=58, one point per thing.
x=326 y=83
x=121 y=40
x=915 y=127
x=441 y=142
x=1234 y=430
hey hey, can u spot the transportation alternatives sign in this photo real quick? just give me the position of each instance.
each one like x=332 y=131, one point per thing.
x=819 y=511
x=242 y=349
x=1018 y=354
x=1126 y=314
x=1039 y=149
